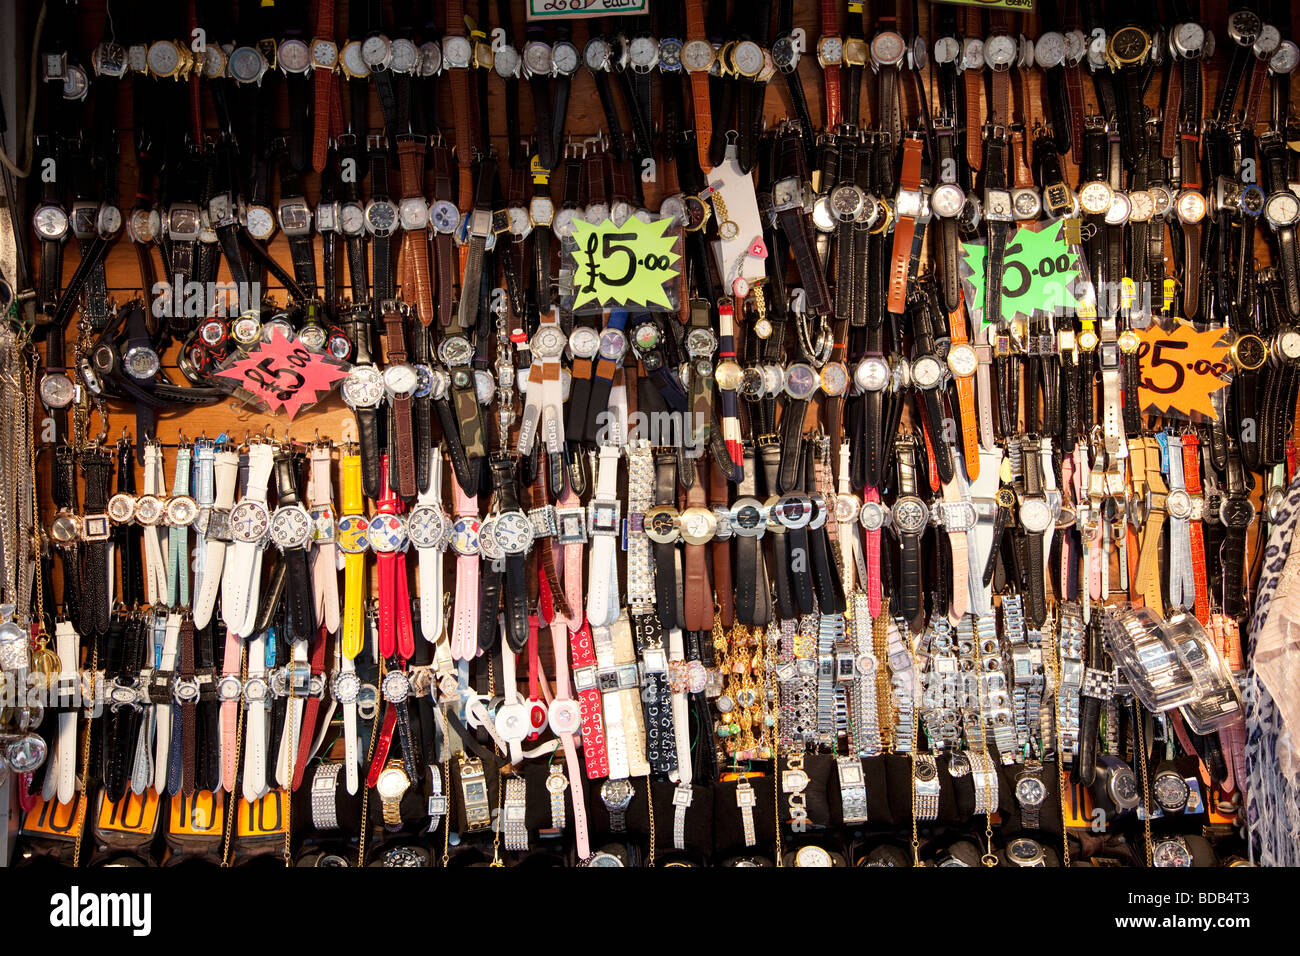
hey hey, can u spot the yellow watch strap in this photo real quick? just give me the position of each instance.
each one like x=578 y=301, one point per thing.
x=350 y=468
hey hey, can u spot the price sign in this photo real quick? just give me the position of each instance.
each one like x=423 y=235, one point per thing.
x=1181 y=369
x=577 y=9
x=629 y=265
x=283 y=374
x=1040 y=272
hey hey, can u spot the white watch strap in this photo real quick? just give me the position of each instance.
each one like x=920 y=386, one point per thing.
x=351 y=756
x=65 y=643
x=602 y=639
x=163 y=711
x=226 y=477
x=431 y=569
x=633 y=716
x=681 y=713
x=289 y=742
x=255 y=725
x=980 y=541
x=325 y=574
x=155 y=545
x=602 y=594
x=242 y=577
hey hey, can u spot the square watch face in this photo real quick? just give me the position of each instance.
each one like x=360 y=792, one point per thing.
x=850 y=775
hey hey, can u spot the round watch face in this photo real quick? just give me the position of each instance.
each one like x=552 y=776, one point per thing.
x=1188 y=38
x=834 y=378
x=249 y=521
x=246 y=64
x=999 y=51
x=927 y=371
x=400 y=380
x=872 y=374
x=963 y=361
x=748 y=517
x=455 y=351
x=1030 y=791
x=1119 y=211
x=584 y=341
x=1267 y=42
x=520 y=224
x=290 y=526
x=387 y=533
x=363 y=388
x=324 y=53
x=564 y=717
x=1282 y=209
x=392 y=782
x=141 y=363
x=444 y=216
x=548 y=342
x=163 y=58
x=260 y=222
x=812 y=856
x=946 y=200
x=564 y=223
x=51 y=222
x=214 y=62
x=1026 y=203
x=872 y=516
x=846 y=202
x=1049 y=50
x=513 y=532
x=729 y=374
x=747 y=57
x=910 y=515
x=1035 y=515
x=352 y=219
x=426 y=526
x=596 y=54
x=57 y=391
x=801 y=381
x=1179 y=503
x=247 y=330
x=26 y=754
x=294 y=56
x=697 y=56
x=662 y=524
x=181 y=511
x=405 y=56
x=565 y=57
x=381 y=217
x=617 y=794
x=1288 y=344
x=350 y=533
x=1171 y=791
x=613 y=343
x=121 y=508
x=670 y=55
x=1024 y=851
x=1095 y=197
x=350 y=58
x=430 y=58
x=1171 y=853
x=1190 y=206
x=1129 y=44
x=1142 y=205
x=1249 y=352
x=701 y=342
x=972 y=53
x=414 y=213
x=1285 y=58
x=946 y=50
x=456 y=52
x=887 y=48
x=1236 y=512
x=376 y=51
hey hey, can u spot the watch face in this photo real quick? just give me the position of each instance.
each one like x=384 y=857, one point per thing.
x=1142 y=205
x=697 y=56
x=405 y=56
x=1120 y=208
x=887 y=48
x=121 y=508
x=376 y=50
x=353 y=63
x=444 y=216
x=352 y=219
x=1285 y=58
x=1190 y=206
x=294 y=56
x=946 y=200
x=548 y=342
x=1179 y=503
x=1035 y=515
x=963 y=361
x=617 y=794
x=387 y=533
x=381 y=217
x=1024 y=851
x=249 y=521
x=164 y=58
x=393 y=782
x=247 y=330
x=596 y=54
x=260 y=222
x=999 y=51
x=565 y=57
x=1171 y=791
x=1267 y=42
x=426 y=526
x=507 y=62
x=246 y=64
x=324 y=54
x=927 y=371
x=643 y=53
x=1095 y=197
x=1171 y=853
x=1049 y=50
x=584 y=341
x=1282 y=209
x=801 y=381
x=812 y=856
x=1129 y=44
x=1288 y=344
x=1162 y=198
x=846 y=202
x=1026 y=203
x=872 y=516
x=613 y=343
x=363 y=388
x=57 y=391
x=1030 y=791
x=662 y=524
x=747 y=57
x=728 y=375
x=455 y=351
x=430 y=58
x=1236 y=512
x=456 y=52
x=972 y=53
x=351 y=534
x=464 y=538
x=670 y=55
x=291 y=526
x=1188 y=38
x=997 y=205
x=51 y=222
x=400 y=380
x=910 y=515
x=295 y=218
x=834 y=378
x=141 y=363
x=872 y=374
x=830 y=50
x=564 y=223
x=181 y=511
x=1249 y=352
x=414 y=213
x=513 y=532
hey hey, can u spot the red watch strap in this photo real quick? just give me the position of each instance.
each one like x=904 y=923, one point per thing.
x=382 y=747
x=593 y=722
x=311 y=711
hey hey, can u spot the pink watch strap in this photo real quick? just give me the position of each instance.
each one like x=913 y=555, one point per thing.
x=960 y=603
x=324 y=570
x=873 y=559
x=464 y=638
x=230 y=715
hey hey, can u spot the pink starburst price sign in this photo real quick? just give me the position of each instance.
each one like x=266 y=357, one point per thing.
x=283 y=375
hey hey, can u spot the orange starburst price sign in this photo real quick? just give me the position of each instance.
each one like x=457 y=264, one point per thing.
x=283 y=375
x=1181 y=369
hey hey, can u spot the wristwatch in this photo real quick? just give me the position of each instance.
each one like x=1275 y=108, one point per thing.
x=392 y=786
x=1030 y=793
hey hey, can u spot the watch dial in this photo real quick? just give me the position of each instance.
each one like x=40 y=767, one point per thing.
x=1282 y=208
x=872 y=516
x=363 y=388
x=324 y=53
x=1267 y=41
x=1030 y=791
x=1049 y=50
x=1191 y=206
x=294 y=56
x=261 y=222
x=565 y=57
x=1035 y=515
x=290 y=527
x=873 y=374
x=401 y=379
x=381 y=217
x=1095 y=197
x=164 y=58
x=246 y=64
x=405 y=56
x=426 y=525
x=1189 y=38
x=963 y=360
x=1171 y=853
x=834 y=378
x=51 y=222
x=414 y=213
x=643 y=53
x=999 y=51
x=1285 y=58
x=927 y=371
x=910 y=515
x=1143 y=205
x=1129 y=43
x=537 y=58
x=748 y=58
x=946 y=200
x=830 y=50
x=375 y=50
x=249 y=521
x=1120 y=208
x=506 y=62
x=697 y=55
x=972 y=53
x=801 y=381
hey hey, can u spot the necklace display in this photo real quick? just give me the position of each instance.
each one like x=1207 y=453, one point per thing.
x=897 y=500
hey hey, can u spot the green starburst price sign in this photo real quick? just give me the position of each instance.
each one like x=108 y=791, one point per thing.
x=629 y=265
x=1040 y=272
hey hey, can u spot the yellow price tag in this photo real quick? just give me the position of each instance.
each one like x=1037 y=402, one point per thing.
x=624 y=265
x=134 y=813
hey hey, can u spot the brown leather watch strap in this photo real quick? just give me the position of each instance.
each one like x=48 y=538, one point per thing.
x=1173 y=107
x=403 y=426
x=1259 y=82
x=699 y=593
x=719 y=496
x=974 y=88
x=460 y=108
x=415 y=242
x=444 y=249
x=323 y=84
x=904 y=228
